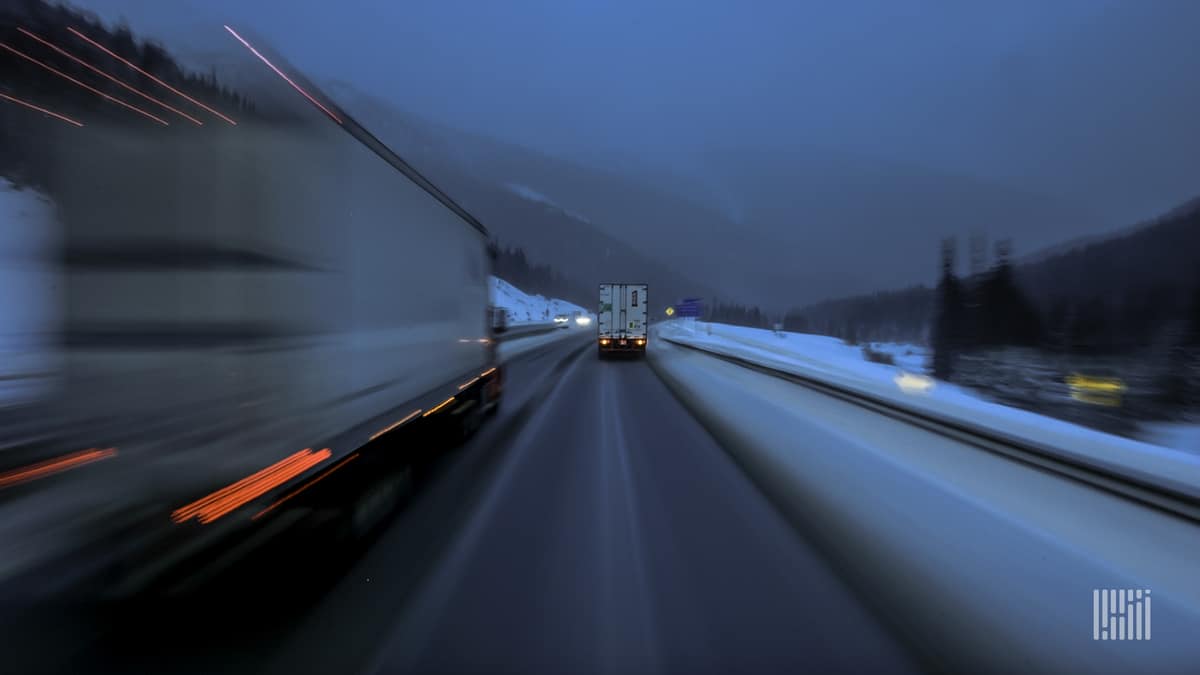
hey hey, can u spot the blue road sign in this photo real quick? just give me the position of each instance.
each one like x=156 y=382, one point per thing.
x=690 y=307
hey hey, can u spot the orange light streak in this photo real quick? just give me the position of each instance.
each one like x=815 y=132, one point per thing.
x=53 y=466
x=101 y=73
x=85 y=86
x=40 y=109
x=438 y=407
x=280 y=73
x=106 y=50
x=229 y=498
x=304 y=487
x=407 y=418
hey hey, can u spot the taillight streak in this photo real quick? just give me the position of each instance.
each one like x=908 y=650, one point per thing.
x=231 y=497
x=52 y=466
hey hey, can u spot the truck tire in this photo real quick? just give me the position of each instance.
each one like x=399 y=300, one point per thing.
x=472 y=418
x=378 y=501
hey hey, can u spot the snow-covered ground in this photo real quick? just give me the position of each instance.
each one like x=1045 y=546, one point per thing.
x=833 y=360
x=529 y=194
x=524 y=308
x=1005 y=553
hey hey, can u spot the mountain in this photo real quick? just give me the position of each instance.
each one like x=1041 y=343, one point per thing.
x=735 y=219
x=515 y=192
x=825 y=222
x=1133 y=288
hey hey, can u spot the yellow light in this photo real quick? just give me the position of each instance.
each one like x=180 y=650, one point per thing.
x=914 y=384
x=438 y=407
x=604 y=341
x=384 y=431
x=641 y=342
x=1108 y=385
x=670 y=311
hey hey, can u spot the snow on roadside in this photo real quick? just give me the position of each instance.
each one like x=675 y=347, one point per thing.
x=830 y=358
x=524 y=308
x=1181 y=436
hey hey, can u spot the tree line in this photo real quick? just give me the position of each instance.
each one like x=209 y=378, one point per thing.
x=512 y=265
x=24 y=131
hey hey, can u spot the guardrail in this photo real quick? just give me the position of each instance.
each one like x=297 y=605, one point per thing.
x=1159 y=491
x=980 y=563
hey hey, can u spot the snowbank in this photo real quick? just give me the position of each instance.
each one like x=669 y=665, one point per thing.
x=833 y=361
x=524 y=308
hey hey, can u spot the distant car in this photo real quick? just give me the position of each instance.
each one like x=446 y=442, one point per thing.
x=561 y=320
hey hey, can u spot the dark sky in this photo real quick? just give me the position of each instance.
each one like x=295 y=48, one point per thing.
x=1092 y=105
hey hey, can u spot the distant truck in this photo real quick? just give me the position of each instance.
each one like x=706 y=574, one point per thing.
x=621 y=319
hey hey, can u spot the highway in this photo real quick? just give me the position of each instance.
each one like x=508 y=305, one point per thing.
x=593 y=526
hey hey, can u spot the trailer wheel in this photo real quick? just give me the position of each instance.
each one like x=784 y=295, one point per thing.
x=472 y=418
x=378 y=501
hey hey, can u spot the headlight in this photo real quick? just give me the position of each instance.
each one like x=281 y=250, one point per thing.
x=603 y=341
x=583 y=320
x=641 y=342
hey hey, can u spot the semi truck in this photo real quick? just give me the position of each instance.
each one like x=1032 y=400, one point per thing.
x=621 y=319
x=260 y=328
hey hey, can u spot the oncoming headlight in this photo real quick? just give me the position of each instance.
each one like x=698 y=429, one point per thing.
x=583 y=320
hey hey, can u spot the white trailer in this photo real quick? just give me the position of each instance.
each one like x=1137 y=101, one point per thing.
x=244 y=309
x=621 y=318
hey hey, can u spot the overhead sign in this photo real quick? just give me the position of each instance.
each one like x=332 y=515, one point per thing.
x=690 y=307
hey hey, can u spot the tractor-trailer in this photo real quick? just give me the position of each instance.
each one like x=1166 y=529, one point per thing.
x=621 y=319
x=268 y=322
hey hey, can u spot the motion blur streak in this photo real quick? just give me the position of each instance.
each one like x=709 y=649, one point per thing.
x=53 y=466
x=487 y=372
x=229 y=498
x=408 y=417
x=280 y=73
x=464 y=385
x=439 y=406
x=85 y=86
x=104 y=49
x=316 y=479
x=40 y=109
x=198 y=507
x=261 y=487
x=1109 y=385
x=103 y=74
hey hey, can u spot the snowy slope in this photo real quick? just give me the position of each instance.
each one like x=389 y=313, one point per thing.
x=525 y=308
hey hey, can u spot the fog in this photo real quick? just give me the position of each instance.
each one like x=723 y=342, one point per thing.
x=852 y=135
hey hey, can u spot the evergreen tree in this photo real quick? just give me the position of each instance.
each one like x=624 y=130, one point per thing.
x=948 y=324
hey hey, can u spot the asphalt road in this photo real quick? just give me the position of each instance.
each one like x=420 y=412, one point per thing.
x=593 y=526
